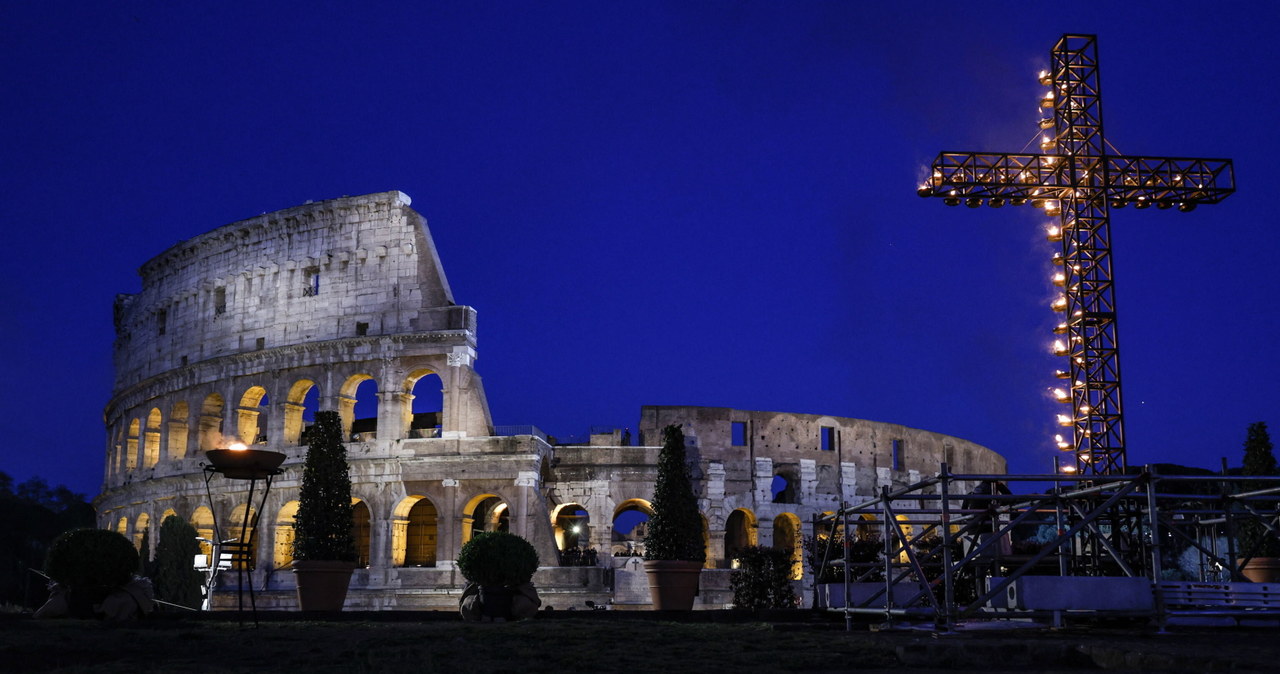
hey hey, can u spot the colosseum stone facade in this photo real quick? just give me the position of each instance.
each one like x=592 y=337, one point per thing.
x=244 y=332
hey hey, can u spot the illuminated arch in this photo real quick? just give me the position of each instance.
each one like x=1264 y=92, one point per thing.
x=297 y=403
x=235 y=525
x=151 y=441
x=629 y=525
x=786 y=537
x=423 y=404
x=571 y=524
x=169 y=512
x=485 y=512
x=140 y=527
x=414 y=531
x=248 y=413
x=347 y=400
x=122 y=526
x=131 y=445
x=210 y=432
x=361 y=530
x=202 y=521
x=739 y=532
x=283 y=553
x=178 y=430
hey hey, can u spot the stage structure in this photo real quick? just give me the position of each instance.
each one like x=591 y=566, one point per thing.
x=1076 y=179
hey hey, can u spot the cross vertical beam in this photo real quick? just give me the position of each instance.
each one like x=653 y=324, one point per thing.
x=1081 y=182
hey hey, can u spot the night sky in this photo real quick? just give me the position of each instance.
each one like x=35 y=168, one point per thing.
x=656 y=203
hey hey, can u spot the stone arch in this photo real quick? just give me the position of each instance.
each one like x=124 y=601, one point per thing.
x=414 y=530
x=141 y=525
x=211 y=421
x=131 y=445
x=787 y=537
x=364 y=425
x=122 y=526
x=361 y=531
x=202 y=521
x=484 y=512
x=178 y=430
x=571 y=524
x=303 y=397
x=283 y=549
x=786 y=483
x=250 y=419
x=739 y=532
x=630 y=523
x=422 y=411
x=236 y=525
x=168 y=512
x=347 y=400
x=151 y=439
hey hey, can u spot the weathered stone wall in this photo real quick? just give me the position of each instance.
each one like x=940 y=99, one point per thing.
x=233 y=328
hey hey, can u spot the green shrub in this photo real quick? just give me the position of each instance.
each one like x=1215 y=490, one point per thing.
x=176 y=581
x=498 y=558
x=91 y=560
x=762 y=579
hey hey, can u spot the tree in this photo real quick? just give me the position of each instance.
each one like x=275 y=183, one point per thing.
x=1259 y=459
x=176 y=580
x=675 y=530
x=323 y=526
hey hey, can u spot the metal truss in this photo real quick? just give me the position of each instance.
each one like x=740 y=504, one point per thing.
x=1077 y=180
x=948 y=552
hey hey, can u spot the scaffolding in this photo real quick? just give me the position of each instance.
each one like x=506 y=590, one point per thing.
x=957 y=548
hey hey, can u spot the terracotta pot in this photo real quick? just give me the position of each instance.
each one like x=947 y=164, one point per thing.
x=673 y=584
x=322 y=585
x=1262 y=569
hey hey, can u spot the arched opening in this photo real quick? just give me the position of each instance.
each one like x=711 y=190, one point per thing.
x=347 y=399
x=131 y=445
x=413 y=532
x=151 y=442
x=300 y=408
x=423 y=408
x=630 y=524
x=739 y=532
x=142 y=535
x=283 y=554
x=202 y=521
x=786 y=537
x=169 y=512
x=572 y=527
x=364 y=428
x=786 y=484
x=361 y=528
x=211 y=422
x=251 y=418
x=486 y=512
x=235 y=526
x=178 y=430
x=122 y=526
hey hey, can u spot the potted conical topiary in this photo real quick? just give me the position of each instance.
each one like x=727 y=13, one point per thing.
x=673 y=548
x=324 y=549
x=1259 y=549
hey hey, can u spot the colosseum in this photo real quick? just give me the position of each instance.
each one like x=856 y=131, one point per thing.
x=244 y=332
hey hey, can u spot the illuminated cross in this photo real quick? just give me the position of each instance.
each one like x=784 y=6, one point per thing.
x=1080 y=183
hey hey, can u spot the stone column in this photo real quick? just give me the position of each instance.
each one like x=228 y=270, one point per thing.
x=391 y=424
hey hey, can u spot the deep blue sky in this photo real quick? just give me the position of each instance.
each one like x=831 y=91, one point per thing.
x=655 y=203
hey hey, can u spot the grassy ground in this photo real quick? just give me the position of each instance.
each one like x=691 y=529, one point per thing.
x=594 y=642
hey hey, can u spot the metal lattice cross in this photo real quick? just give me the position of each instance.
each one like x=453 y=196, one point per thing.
x=1081 y=183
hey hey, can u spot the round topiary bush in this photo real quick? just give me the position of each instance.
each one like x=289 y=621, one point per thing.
x=498 y=558
x=91 y=560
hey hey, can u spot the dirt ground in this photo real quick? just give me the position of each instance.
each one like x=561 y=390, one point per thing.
x=608 y=642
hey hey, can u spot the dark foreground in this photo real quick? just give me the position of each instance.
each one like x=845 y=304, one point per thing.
x=609 y=642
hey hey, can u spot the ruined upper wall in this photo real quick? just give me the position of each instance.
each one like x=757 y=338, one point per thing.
x=340 y=268
x=875 y=447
